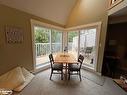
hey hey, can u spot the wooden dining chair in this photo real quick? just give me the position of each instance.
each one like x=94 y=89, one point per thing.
x=55 y=67
x=75 y=69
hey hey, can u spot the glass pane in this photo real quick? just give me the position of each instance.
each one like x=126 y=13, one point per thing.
x=113 y=1
x=87 y=46
x=73 y=43
x=42 y=45
x=56 y=41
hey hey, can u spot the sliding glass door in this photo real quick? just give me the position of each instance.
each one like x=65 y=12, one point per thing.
x=84 y=42
x=56 y=41
x=81 y=41
x=73 y=43
x=46 y=41
x=87 y=46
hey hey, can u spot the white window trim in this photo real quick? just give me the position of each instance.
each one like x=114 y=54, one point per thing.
x=96 y=25
x=38 y=23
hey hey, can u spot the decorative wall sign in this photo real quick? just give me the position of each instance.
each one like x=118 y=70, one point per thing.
x=14 y=34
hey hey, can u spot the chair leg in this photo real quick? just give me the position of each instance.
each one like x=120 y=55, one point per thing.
x=68 y=75
x=62 y=75
x=51 y=74
x=80 y=76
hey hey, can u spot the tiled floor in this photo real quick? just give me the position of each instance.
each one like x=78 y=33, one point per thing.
x=41 y=85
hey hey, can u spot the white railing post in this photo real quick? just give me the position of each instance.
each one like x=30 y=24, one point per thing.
x=44 y=48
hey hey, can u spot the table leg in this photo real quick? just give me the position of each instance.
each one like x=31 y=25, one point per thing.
x=66 y=72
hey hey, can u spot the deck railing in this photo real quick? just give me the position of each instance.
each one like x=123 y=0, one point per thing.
x=44 y=48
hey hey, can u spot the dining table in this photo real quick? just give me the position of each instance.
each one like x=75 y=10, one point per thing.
x=65 y=58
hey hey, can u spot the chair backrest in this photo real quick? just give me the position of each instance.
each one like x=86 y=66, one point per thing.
x=51 y=59
x=80 y=59
x=89 y=49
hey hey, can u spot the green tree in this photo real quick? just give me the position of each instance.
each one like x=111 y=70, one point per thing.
x=71 y=35
x=56 y=36
x=41 y=35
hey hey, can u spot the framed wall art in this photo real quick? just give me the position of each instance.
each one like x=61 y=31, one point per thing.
x=13 y=34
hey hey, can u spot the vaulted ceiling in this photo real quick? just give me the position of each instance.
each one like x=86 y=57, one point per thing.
x=54 y=10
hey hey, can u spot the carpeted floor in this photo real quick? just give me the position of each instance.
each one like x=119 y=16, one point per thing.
x=91 y=84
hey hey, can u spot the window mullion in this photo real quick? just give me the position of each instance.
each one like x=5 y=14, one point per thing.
x=78 y=42
x=50 y=41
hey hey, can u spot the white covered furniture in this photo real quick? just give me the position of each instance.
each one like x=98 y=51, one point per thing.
x=16 y=79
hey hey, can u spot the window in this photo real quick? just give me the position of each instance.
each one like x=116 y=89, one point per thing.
x=73 y=43
x=56 y=41
x=87 y=46
x=83 y=42
x=113 y=3
x=46 y=41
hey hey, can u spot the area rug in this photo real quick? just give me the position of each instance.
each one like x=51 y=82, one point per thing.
x=93 y=77
x=121 y=84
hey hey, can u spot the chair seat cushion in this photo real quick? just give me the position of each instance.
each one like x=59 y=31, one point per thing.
x=73 y=67
x=57 y=66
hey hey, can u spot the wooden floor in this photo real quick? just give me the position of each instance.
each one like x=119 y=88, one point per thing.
x=41 y=85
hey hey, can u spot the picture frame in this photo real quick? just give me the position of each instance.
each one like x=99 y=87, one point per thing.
x=13 y=34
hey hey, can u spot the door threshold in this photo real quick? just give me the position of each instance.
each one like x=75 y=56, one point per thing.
x=88 y=67
x=41 y=68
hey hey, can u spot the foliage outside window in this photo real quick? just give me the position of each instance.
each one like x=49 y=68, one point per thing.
x=41 y=35
x=71 y=35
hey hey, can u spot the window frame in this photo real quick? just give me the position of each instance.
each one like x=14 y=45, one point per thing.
x=45 y=25
x=96 y=25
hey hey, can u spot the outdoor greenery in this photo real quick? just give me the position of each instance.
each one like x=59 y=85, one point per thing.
x=42 y=35
x=71 y=35
x=56 y=36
